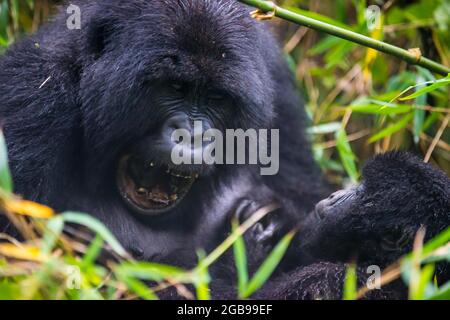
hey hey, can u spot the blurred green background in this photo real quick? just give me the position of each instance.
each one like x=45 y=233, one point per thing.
x=349 y=90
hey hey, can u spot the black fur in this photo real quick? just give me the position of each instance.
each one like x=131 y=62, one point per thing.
x=372 y=224
x=74 y=101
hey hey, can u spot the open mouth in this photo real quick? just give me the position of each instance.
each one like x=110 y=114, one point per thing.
x=150 y=188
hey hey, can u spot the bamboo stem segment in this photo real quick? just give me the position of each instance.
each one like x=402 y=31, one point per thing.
x=409 y=57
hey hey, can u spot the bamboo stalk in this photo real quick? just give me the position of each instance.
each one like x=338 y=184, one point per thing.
x=405 y=55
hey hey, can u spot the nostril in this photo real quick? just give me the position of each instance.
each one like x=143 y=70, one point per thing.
x=175 y=122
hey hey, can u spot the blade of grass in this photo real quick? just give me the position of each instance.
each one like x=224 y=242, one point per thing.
x=346 y=154
x=390 y=130
x=95 y=225
x=350 y=284
x=5 y=174
x=434 y=86
x=240 y=257
x=266 y=269
x=93 y=251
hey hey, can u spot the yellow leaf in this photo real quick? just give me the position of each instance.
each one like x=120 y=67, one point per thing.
x=22 y=252
x=29 y=208
x=372 y=54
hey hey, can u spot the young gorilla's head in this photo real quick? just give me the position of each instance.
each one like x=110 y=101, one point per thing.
x=378 y=220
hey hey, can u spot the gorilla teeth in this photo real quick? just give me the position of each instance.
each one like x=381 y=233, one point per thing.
x=149 y=186
x=142 y=191
x=181 y=175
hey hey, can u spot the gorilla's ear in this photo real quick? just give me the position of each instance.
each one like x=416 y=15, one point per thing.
x=99 y=33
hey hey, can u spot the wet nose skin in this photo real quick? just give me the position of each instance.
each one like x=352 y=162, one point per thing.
x=188 y=141
x=195 y=128
x=175 y=122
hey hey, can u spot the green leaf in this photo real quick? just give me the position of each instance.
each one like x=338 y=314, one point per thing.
x=441 y=254
x=338 y=54
x=266 y=269
x=138 y=287
x=434 y=86
x=325 y=128
x=202 y=290
x=93 y=251
x=10 y=291
x=431 y=119
x=350 y=284
x=54 y=228
x=424 y=283
x=5 y=175
x=372 y=106
x=442 y=16
x=323 y=45
x=4 y=16
x=398 y=82
x=240 y=258
x=202 y=279
x=346 y=154
x=443 y=293
x=95 y=225
x=440 y=240
x=399 y=125
x=150 y=271
x=419 y=114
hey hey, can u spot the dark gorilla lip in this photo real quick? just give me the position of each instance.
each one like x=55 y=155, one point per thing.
x=149 y=188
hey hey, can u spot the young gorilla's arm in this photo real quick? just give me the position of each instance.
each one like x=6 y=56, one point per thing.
x=374 y=223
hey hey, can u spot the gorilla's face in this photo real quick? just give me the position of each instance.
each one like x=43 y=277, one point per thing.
x=148 y=180
x=159 y=69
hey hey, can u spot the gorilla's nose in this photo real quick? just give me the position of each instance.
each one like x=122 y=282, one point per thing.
x=185 y=133
x=179 y=121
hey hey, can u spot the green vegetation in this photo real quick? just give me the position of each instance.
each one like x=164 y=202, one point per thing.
x=360 y=102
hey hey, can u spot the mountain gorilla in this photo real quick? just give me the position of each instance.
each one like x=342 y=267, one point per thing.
x=88 y=116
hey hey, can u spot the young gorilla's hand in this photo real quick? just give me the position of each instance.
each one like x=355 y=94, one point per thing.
x=378 y=220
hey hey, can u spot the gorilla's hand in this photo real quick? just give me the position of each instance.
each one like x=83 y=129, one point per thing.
x=262 y=236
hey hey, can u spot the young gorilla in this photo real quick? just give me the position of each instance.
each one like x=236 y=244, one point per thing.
x=374 y=223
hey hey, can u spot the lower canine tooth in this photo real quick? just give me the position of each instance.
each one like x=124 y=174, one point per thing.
x=142 y=191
